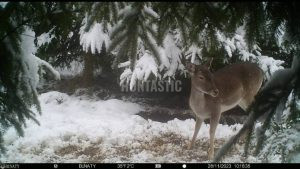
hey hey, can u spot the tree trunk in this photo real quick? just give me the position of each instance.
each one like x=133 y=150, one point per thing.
x=88 y=69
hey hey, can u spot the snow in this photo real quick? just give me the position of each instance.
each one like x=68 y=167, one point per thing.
x=3 y=4
x=173 y=53
x=31 y=64
x=49 y=67
x=76 y=68
x=44 y=38
x=94 y=38
x=193 y=51
x=124 y=64
x=125 y=76
x=29 y=61
x=144 y=67
x=81 y=129
x=163 y=58
x=280 y=34
x=150 y=12
x=284 y=137
x=281 y=76
x=237 y=43
x=269 y=65
x=125 y=11
x=280 y=143
x=169 y=56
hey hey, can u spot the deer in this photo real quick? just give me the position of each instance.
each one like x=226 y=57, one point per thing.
x=214 y=93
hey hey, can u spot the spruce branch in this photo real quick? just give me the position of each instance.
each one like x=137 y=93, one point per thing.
x=266 y=101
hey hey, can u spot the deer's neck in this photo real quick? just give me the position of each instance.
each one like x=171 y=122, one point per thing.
x=197 y=97
x=196 y=92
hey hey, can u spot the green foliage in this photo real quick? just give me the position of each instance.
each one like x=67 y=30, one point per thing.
x=17 y=88
x=134 y=25
x=172 y=15
x=102 y=12
x=255 y=22
x=62 y=23
x=268 y=102
x=282 y=138
x=14 y=107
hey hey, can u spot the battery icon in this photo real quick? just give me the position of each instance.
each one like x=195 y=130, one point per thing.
x=157 y=165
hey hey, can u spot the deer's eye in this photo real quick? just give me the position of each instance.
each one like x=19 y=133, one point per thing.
x=201 y=77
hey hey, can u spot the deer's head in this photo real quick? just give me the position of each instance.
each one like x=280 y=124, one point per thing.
x=202 y=78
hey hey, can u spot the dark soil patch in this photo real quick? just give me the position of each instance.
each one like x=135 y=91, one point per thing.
x=164 y=115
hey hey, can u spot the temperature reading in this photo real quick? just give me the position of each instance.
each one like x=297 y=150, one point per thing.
x=125 y=165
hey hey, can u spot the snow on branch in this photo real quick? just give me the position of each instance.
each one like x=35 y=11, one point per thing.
x=238 y=44
x=192 y=52
x=44 y=38
x=144 y=67
x=49 y=67
x=32 y=64
x=170 y=61
x=269 y=65
x=3 y=4
x=124 y=64
x=94 y=38
x=29 y=74
x=150 y=12
x=173 y=53
x=125 y=11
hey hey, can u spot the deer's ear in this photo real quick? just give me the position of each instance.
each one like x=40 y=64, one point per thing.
x=208 y=63
x=191 y=67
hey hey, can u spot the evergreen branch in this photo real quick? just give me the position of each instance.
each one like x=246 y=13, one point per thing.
x=152 y=47
x=30 y=36
x=117 y=40
x=122 y=52
x=118 y=28
x=266 y=101
x=16 y=28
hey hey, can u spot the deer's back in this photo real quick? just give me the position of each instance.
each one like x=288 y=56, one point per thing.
x=238 y=80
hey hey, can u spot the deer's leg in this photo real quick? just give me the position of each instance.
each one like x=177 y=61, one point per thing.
x=244 y=104
x=214 y=121
x=196 y=131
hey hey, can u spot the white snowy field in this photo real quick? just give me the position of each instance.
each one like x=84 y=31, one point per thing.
x=79 y=129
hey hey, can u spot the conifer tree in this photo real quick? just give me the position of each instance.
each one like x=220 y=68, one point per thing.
x=272 y=99
x=60 y=27
x=19 y=68
x=134 y=26
x=144 y=38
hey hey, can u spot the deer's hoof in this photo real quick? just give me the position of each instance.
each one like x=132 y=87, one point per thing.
x=210 y=154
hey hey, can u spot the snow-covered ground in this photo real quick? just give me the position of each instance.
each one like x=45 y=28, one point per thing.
x=79 y=129
x=76 y=67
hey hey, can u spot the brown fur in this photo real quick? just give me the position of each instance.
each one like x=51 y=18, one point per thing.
x=214 y=93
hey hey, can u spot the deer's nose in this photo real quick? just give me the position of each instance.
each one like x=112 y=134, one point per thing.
x=215 y=92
